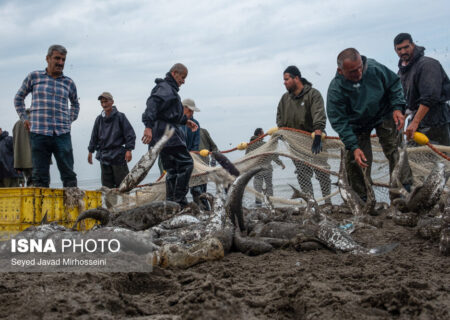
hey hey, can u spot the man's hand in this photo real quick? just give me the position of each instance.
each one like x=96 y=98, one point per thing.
x=128 y=156
x=399 y=119
x=192 y=125
x=90 y=157
x=411 y=129
x=147 y=136
x=317 y=142
x=27 y=125
x=360 y=158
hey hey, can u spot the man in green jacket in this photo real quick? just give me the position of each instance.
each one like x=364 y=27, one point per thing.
x=365 y=95
x=302 y=108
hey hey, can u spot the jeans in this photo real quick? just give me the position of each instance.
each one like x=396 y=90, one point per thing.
x=42 y=148
x=178 y=164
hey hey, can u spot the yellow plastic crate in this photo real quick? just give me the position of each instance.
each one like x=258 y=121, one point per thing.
x=23 y=207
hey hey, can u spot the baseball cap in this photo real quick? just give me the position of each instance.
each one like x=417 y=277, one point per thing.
x=189 y=103
x=106 y=95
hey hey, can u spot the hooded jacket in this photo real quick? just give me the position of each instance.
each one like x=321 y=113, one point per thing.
x=111 y=137
x=305 y=111
x=354 y=108
x=425 y=82
x=164 y=108
x=7 y=157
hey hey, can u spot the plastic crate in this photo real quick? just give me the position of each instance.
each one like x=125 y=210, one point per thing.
x=24 y=207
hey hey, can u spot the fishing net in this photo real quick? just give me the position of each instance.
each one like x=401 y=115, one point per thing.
x=316 y=174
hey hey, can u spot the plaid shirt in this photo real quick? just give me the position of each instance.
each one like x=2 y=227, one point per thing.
x=50 y=113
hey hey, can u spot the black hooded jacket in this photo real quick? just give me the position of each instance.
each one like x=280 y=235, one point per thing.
x=7 y=157
x=111 y=137
x=164 y=108
x=425 y=82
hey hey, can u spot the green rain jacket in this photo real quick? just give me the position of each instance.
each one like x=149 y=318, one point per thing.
x=305 y=111
x=354 y=108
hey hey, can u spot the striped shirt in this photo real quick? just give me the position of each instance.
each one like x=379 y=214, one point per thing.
x=50 y=113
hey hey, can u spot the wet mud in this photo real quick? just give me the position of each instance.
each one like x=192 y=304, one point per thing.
x=410 y=282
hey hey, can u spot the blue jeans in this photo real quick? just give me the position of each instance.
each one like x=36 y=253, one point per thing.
x=42 y=148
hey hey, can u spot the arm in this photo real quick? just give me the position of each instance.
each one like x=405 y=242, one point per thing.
x=149 y=117
x=196 y=142
x=338 y=117
x=93 y=143
x=74 y=103
x=280 y=120
x=128 y=133
x=318 y=112
x=19 y=99
x=396 y=97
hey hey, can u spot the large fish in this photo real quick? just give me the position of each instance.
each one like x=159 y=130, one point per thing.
x=139 y=218
x=425 y=196
x=350 y=197
x=318 y=227
x=233 y=205
x=143 y=166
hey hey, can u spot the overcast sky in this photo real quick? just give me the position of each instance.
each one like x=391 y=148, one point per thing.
x=235 y=51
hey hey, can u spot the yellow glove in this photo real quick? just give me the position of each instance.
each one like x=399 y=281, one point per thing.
x=242 y=146
x=313 y=134
x=204 y=153
x=272 y=131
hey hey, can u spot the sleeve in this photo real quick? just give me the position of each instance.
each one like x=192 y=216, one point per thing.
x=429 y=84
x=212 y=144
x=280 y=122
x=74 y=103
x=394 y=86
x=128 y=133
x=150 y=113
x=336 y=110
x=93 y=143
x=318 y=111
x=19 y=99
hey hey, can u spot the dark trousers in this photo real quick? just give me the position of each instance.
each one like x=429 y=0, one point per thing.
x=112 y=175
x=305 y=174
x=178 y=164
x=42 y=148
x=388 y=138
x=437 y=135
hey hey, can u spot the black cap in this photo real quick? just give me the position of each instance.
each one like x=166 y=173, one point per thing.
x=293 y=71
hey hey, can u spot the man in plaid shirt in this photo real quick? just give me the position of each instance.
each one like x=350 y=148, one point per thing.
x=50 y=118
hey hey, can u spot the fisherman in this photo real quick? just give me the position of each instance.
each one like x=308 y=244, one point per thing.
x=427 y=91
x=114 y=139
x=266 y=174
x=22 y=151
x=164 y=108
x=302 y=108
x=193 y=144
x=366 y=95
x=9 y=177
x=51 y=118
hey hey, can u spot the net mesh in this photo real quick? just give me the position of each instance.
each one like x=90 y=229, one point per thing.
x=308 y=172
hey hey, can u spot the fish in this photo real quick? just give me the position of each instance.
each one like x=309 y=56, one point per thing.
x=425 y=196
x=444 y=242
x=395 y=184
x=143 y=166
x=318 y=227
x=350 y=197
x=226 y=163
x=233 y=204
x=138 y=218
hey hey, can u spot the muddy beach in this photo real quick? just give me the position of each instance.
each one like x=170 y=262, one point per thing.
x=410 y=282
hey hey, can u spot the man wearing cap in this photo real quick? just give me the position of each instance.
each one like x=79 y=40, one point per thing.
x=113 y=138
x=302 y=108
x=427 y=91
x=164 y=108
x=366 y=95
x=50 y=119
x=193 y=144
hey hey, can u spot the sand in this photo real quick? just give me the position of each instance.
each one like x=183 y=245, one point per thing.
x=411 y=282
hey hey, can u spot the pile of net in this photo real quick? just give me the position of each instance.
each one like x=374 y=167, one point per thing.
x=316 y=173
